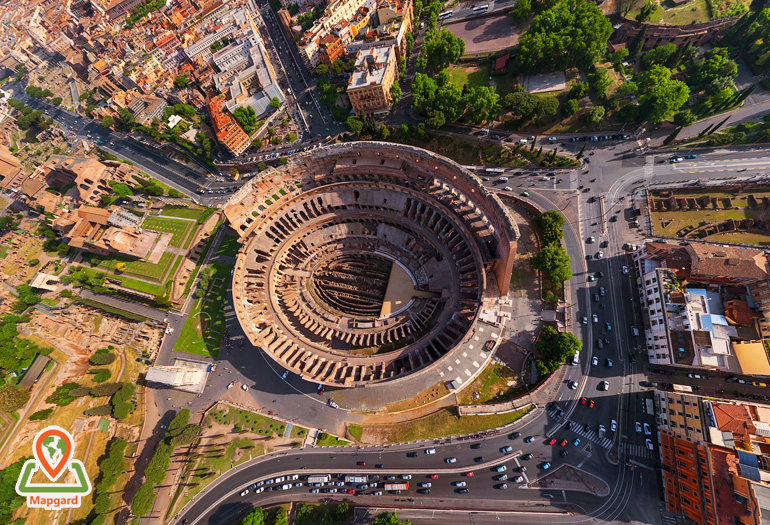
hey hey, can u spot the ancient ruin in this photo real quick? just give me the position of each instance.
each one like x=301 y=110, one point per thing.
x=367 y=261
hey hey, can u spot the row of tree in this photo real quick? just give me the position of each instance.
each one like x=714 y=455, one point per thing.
x=179 y=432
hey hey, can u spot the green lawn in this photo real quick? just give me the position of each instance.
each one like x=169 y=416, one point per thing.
x=185 y=213
x=230 y=246
x=473 y=76
x=327 y=440
x=136 y=268
x=250 y=421
x=202 y=332
x=445 y=422
x=180 y=229
x=3 y=251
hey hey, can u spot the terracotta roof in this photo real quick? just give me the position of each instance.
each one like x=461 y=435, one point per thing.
x=733 y=418
x=728 y=261
x=737 y=312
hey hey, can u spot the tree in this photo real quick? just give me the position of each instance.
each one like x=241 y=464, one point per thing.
x=668 y=140
x=41 y=415
x=143 y=500
x=101 y=359
x=423 y=92
x=343 y=512
x=354 y=124
x=442 y=48
x=547 y=105
x=483 y=104
x=12 y=398
x=246 y=117
x=550 y=224
x=684 y=118
x=521 y=11
x=594 y=116
x=659 y=55
x=257 y=143
x=522 y=104
x=578 y=90
x=127 y=119
x=322 y=70
x=389 y=519
x=646 y=12
x=107 y=122
x=395 y=93
x=56 y=101
x=569 y=108
x=554 y=262
x=715 y=64
x=181 y=81
x=599 y=82
x=629 y=112
x=618 y=57
x=582 y=150
x=661 y=95
x=280 y=517
x=637 y=44
x=274 y=102
x=254 y=517
x=556 y=347
x=571 y=33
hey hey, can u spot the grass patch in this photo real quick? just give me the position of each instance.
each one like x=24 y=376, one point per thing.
x=757 y=239
x=491 y=386
x=445 y=422
x=184 y=213
x=134 y=268
x=249 y=422
x=327 y=440
x=678 y=222
x=203 y=329
x=179 y=229
x=357 y=431
x=230 y=246
x=297 y=432
x=465 y=151
x=472 y=76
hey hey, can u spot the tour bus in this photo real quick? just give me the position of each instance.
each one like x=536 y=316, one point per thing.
x=445 y=14
x=480 y=9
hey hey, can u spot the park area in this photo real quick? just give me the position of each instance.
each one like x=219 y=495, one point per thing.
x=204 y=327
x=690 y=214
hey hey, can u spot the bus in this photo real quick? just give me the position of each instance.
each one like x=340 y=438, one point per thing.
x=446 y=14
x=480 y=9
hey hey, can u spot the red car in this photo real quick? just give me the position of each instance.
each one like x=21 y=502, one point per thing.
x=551 y=441
x=469 y=474
x=563 y=443
x=351 y=491
x=582 y=401
x=434 y=476
x=591 y=404
x=361 y=463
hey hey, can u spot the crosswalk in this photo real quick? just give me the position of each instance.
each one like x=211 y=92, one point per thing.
x=591 y=435
x=640 y=451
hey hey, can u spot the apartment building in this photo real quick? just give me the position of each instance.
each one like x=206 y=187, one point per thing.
x=228 y=132
x=369 y=85
x=330 y=48
x=760 y=298
x=679 y=414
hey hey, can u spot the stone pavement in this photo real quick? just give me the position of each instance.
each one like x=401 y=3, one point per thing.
x=567 y=477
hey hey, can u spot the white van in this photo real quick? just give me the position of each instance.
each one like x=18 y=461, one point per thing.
x=575 y=359
x=635 y=331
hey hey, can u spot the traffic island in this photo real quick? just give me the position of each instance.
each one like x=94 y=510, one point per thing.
x=567 y=477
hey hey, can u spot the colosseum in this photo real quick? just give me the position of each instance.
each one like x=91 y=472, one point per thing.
x=366 y=262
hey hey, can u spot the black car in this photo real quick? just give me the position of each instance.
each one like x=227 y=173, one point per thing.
x=600 y=274
x=423 y=491
x=462 y=491
x=411 y=454
x=476 y=445
x=564 y=453
x=478 y=459
x=526 y=456
x=632 y=358
x=379 y=465
x=646 y=383
x=390 y=478
x=515 y=435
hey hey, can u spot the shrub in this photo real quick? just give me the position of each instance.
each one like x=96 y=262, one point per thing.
x=41 y=415
x=103 y=410
x=105 y=390
x=101 y=358
x=61 y=395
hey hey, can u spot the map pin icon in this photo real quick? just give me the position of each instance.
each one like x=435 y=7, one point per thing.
x=52 y=449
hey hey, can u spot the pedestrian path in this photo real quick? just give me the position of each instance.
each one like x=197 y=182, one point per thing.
x=640 y=451
x=579 y=429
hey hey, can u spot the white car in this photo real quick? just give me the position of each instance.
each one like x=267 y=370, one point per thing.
x=508 y=188
x=595 y=318
x=638 y=427
x=585 y=320
x=613 y=425
x=625 y=269
x=518 y=479
x=648 y=442
x=245 y=388
x=430 y=451
x=406 y=476
x=647 y=430
x=458 y=483
x=259 y=490
x=572 y=385
x=604 y=385
x=522 y=141
x=599 y=255
x=245 y=492
x=229 y=385
x=595 y=361
x=450 y=460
